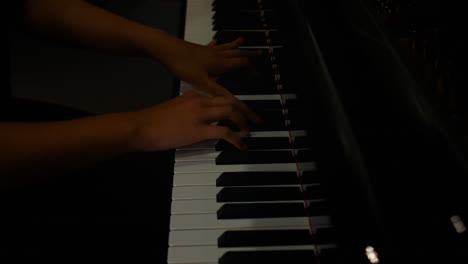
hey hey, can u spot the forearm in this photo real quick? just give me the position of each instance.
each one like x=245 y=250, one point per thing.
x=92 y=26
x=97 y=28
x=34 y=150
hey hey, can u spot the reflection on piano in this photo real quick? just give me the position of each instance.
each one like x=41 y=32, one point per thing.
x=350 y=165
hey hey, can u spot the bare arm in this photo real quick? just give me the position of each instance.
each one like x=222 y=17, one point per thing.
x=33 y=150
x=38 y=150
x=97 y=28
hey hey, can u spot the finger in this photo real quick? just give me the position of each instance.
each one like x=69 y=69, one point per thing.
x=221 y=132
x=217 y=90
x=212 y=43
x=224 y=112
x=242 y=53
x=236 y=63
x=220 y=101
x=231 y=45
x=189 y=94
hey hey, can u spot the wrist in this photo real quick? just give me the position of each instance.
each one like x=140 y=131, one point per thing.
x=159 y=45
x=127 y=126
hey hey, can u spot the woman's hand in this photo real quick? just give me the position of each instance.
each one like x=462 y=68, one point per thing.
x=185 y=120
x=198 y=65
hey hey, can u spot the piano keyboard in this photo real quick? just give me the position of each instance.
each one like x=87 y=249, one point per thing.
x=230 y=206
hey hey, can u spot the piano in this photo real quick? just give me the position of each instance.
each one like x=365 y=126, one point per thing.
x=352 y=164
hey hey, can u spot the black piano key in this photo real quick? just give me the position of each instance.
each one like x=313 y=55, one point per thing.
x=228 y=20
x=235 y=12
x=263 y=157
x=242 y=5
x=240 y=83
x=269 y=110
x=286 y=112
x=270 y=257
x=265 y=178
x=268 y=125
x=273 y=114
x=255 y=143
x=271 y=124
x=261 y=210
x=238 y=25
x=246 y=194
x=241 y=26
x=254 y=157
x=237 y=6
x=250 y=89
x=265 y=238
x=265 y=61
x=270 y=104
x=271 y=210
x=234 y=15
x=251 y=38
x=275 y=118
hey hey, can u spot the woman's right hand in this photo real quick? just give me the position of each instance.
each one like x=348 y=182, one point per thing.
x=185 y=120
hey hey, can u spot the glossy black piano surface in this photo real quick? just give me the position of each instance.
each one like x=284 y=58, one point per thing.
x=412 y=164
x=391 y=171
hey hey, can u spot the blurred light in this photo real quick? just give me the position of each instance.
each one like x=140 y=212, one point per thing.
x=372 y=255
x=458 y=224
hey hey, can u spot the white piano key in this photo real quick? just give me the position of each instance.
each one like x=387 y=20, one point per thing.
x=191 y=179
x=196 y=254
x=195 y=237
x=210 y=221
x=194 y=207
x=195 y=192
x=210 y=166
x=266 y=97
x=198 y=26
x=206 y=144
x=196 y=154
